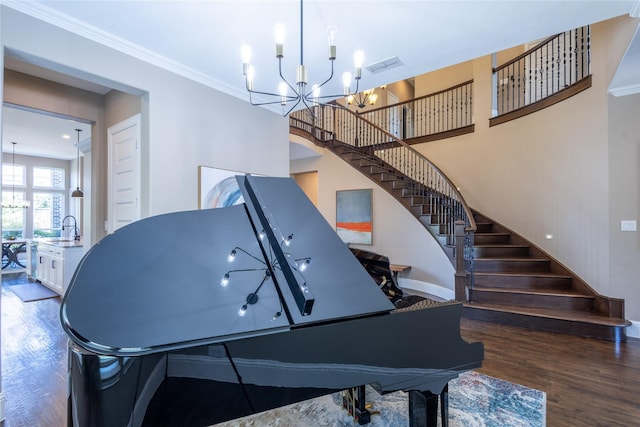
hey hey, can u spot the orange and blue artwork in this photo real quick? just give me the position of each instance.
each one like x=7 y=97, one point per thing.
x=353 y=216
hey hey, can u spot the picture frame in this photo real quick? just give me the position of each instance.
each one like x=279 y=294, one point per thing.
x=218 y=188
x=354 y=218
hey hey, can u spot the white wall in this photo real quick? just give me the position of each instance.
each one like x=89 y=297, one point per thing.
x=396 y=233
x=186 y=124
x=624 y=199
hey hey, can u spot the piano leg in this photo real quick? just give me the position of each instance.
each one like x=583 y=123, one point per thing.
x=363 y=416
x=355 y=402
x=423 y=408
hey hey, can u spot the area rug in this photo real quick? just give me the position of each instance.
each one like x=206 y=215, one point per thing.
x=32 y=291
x=475 y=400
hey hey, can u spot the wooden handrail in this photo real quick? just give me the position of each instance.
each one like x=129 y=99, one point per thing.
x=468 y=82
x=530 y=81
x=428 y=117
x=526 y=53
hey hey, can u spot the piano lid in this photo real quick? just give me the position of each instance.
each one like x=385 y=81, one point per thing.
x=213 y=275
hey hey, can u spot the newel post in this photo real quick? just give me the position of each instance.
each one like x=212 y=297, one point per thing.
x=461 y=274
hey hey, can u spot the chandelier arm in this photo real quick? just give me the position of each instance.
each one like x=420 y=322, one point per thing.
x=290 y=97
x=322 y=84
x=294 y=106
x=357 y=87
x=279 y=101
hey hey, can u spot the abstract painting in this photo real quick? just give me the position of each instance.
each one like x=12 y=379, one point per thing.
x=353 y=216
x=218 y=188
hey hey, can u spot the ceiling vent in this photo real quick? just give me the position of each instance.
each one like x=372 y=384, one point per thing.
x=384 y=65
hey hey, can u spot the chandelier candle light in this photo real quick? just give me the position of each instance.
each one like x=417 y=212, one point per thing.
x=300 y=93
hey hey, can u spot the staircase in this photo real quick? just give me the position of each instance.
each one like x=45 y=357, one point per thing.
x=516 y=283
x=508 y=279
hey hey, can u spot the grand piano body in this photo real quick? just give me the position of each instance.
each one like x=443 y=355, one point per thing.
x=195 y=318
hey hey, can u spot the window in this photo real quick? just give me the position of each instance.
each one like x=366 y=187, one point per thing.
x=13 y=219
x=48 y=206
x=13 y=175
x=48 y=211
x=48 y=177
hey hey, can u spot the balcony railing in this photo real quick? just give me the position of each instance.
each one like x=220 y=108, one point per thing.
x=544 y=74
x=441 y=114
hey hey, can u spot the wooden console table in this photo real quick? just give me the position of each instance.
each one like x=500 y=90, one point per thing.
x=398 y=268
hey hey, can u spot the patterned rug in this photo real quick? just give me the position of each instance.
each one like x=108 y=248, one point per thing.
x=475 y=400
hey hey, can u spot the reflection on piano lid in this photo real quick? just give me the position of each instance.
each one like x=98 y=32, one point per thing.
x=194 y=318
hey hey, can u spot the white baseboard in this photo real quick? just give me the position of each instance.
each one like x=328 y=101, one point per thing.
x=427 y=288
x=633 y=331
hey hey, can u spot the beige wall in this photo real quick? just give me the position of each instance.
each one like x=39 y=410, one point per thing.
x=444 y=78
x=308 y=182
x=550 y=172
x=396 y=233
x=570 y=170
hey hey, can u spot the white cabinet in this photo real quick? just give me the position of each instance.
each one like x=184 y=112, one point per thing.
x=56 y=265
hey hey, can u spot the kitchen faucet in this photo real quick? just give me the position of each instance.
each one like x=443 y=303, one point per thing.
x=76 y=234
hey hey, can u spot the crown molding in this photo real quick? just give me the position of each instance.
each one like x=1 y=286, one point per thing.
x=51 y=16
x=635 y=10
x=625 y=90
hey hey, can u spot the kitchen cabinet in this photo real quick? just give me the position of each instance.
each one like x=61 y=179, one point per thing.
x=56 y=265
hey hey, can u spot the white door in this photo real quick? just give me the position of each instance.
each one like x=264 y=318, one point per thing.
x=124 y=173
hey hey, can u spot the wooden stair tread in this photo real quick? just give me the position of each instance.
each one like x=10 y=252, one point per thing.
x=550 y=313
x=510 y=258
x=533 y=291
x=499 y=245
x=541 y=274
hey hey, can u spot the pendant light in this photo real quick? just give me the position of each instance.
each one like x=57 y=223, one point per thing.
x=77 y=193
x=13 y=204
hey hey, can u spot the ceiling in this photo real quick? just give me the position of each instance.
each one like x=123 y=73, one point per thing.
x=201 y=40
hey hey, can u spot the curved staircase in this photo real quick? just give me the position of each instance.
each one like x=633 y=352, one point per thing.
x=508 y=279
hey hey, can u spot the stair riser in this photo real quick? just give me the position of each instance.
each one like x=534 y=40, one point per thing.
x=515 y=266
x=522 y=282
x=377 y=169
x=484 y=228
x=417 y=200
x=435 y=228
x=501 y=251
x=532 y=300
x=488 y=239
x=395 y=181
x=603 y=332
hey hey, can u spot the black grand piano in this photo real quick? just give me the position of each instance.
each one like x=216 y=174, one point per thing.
x=195 y=318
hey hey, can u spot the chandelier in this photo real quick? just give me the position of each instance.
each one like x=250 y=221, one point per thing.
x=295 y=93
x=13 y=204
x=364 y=98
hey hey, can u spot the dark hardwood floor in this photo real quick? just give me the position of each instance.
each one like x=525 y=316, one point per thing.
x=588 y=382
x=34 y=360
